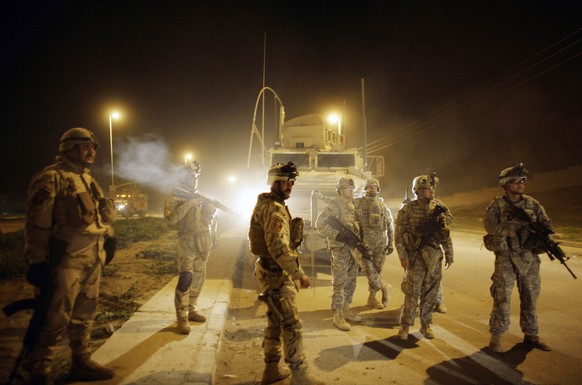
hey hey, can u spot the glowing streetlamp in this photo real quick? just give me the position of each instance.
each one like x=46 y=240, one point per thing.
x=333 y=119
x=188 y=158
x=113 y=115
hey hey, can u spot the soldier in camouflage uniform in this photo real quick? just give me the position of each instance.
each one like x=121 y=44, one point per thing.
x=420 y=249
x=274 y=238
x=515 y=259
x=344 y=266
x=68 y=222
x=378 y=228
x=192 y=216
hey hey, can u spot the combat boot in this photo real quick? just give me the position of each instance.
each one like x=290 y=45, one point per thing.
x=495 y=343
x=85 y=369
x=536 y=342
x=373 y=302
x=339 y=321
x=349 y=315
x=38 y=372
x=301 y=377
x=195 y=316
x=386 y=294
x=440 y=307
x=427 y=332
x=403 y=333
x=183 y=325
x=274 y=373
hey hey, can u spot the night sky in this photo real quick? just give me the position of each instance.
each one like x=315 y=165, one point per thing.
x=463 y=88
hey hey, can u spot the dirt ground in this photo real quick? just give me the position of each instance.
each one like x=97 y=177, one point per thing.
x=128 y=282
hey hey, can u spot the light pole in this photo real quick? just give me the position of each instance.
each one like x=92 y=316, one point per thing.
x=113 y=115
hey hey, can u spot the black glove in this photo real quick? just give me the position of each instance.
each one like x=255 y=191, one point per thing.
x=109 y=246
x=37 y=274
x=340 y=237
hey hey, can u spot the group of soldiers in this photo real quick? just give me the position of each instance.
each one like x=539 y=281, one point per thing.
x=69 y=239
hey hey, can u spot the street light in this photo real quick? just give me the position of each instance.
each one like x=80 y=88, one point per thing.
x=113 y=115
x=332 y=119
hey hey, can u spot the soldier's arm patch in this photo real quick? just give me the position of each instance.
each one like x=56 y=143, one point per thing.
x=276 y=225
x=42 y=194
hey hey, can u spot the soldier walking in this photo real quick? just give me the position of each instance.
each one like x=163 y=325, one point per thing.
x=192 y=217
x=344 y=266
x=516 y=258
x=274 y=238
x=378 y=228
x=421 y=235
x=68 y=224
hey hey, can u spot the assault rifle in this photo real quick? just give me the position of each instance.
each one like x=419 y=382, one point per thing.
x=40 y=304
x=182 y=193
x=540 y=235
x=428 y=228
x=352 y=239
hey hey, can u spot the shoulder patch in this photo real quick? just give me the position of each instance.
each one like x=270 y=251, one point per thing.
x=276 y=225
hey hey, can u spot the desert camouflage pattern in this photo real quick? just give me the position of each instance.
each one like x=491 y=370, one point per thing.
x=378 y=228
x=422 y=280
x=276 y=268
x=344 y=267
x=193 y=219
x=513 y=263
x=54 y=209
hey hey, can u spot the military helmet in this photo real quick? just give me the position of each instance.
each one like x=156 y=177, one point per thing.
x=190 y=168
x=344 y=182
x=424 y=181
x=282 y=172
x=76 y=136
x=512 y=173
x=372 y=182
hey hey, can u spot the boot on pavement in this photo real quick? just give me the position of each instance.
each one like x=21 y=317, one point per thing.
x=349 y=315
x=386 y=294
x=85 y=369
x=495 y=343
x=403 y=333
x=440 y=307
x=339 y=321
x=194 y=316
x=536 y=342
x=183 y=325
x=426 y=331
x=373 y=302
x=302 y=377
x=38 y=372
x=274 y=373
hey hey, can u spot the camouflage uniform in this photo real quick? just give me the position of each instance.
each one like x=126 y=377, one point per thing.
x=66 y=206
x=344 y=268
x=514 y=262
x=425 y=272
x=192 y=218
x=276 y=269
x=378 y=229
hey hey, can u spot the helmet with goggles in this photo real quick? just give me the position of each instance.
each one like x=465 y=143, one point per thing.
x=424 y=181
x=282 y=172
x=510 y=174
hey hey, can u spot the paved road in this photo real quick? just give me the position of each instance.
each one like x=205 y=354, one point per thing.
x=371 y=354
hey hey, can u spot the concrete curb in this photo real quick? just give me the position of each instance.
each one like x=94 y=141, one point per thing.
x=148 y=350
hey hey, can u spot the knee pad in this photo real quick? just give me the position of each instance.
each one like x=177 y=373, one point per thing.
x=184 y=281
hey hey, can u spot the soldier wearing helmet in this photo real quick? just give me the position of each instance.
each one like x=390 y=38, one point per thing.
x=421 y=236
x=516 y=258
x=192 y=217
x=344 y=265
x=67 y=230
x=378 y=228
x=274 y=238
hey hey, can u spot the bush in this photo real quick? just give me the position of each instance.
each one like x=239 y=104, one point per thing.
x=12 y=260
x=14 y=264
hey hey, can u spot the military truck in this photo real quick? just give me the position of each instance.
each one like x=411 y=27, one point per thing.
x=130 y=199
x=317 y=149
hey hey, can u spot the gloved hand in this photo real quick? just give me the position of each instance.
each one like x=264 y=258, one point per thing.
x=110 y=245
x=37 y=274
x=388 y=250
x=340 y=237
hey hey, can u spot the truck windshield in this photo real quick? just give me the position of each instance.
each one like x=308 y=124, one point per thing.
x=335 y=160
x=300 y=160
